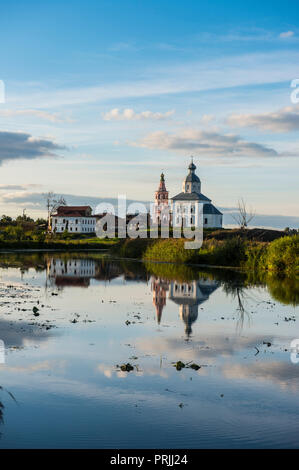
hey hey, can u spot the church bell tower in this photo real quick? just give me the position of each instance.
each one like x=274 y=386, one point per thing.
x=161 y=209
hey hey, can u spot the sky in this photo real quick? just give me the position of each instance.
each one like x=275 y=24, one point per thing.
x=98 y=97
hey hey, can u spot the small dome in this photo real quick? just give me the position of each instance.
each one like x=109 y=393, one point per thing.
x=192 y=178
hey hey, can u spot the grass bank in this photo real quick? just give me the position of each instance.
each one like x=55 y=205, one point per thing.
x=279 y=257
x=58 y=244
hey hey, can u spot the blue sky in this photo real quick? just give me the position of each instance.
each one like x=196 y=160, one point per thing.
x=103 y=95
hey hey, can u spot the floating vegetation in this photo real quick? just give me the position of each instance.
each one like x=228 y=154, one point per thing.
x=35 y=311
x=179 y=365
x=194 y=366
x=125 y=367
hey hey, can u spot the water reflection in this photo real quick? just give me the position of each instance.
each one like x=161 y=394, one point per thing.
x=79 y=268
x=160 y=288
x=77 y=272
x=188 y=295
x=71 y=272
x=183 y=285
x=97 y=312
x=2 y=407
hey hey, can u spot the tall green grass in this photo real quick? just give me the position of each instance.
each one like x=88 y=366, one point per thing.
x=282 y=256
x=279 y=257
x=171 y=250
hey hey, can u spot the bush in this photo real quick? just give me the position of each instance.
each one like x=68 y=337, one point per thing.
x=131 y=247
x=256 y=254
x=230 y=252
x=282 y=256
x=171 y=250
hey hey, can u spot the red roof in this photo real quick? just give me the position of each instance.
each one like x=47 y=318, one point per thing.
x=74 y=207
x=74 y=211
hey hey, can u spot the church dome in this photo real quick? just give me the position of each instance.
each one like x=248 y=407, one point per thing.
x=191 y=184
x=192 y=178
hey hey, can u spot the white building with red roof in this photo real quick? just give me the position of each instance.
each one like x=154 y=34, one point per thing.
x=74 y=219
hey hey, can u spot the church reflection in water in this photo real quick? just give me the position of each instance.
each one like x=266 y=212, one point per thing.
x=77 y=272
x=188 y=295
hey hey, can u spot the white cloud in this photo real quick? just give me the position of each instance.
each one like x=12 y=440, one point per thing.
x=286 y=34
x=130 y=115
x=205 y=143
x=284 y=120
x=18 y=187
x=276 y=372
x=53 y=117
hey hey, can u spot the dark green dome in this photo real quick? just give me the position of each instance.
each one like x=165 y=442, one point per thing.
x=192 y=178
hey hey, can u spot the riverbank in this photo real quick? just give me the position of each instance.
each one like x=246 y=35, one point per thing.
x=279 y=257
x=256 y=249
x=58 y=245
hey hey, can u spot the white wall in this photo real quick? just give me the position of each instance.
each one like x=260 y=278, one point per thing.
x=72 y=268
x=183 y=209
x=74 y=224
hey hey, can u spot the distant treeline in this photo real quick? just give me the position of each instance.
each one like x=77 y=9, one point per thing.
x=26 y=233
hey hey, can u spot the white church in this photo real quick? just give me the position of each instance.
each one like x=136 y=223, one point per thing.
x=190 y=207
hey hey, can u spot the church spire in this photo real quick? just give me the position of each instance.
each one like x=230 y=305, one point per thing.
x=191 y=183
x=192 y=167
x=162 y=186
x=161 y=202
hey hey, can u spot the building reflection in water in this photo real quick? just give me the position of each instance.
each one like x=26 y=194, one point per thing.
x=159 y=288
x=77 y=272
x=71 y=272
x=188 y=295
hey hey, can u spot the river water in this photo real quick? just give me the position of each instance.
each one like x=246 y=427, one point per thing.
x=69 y=322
